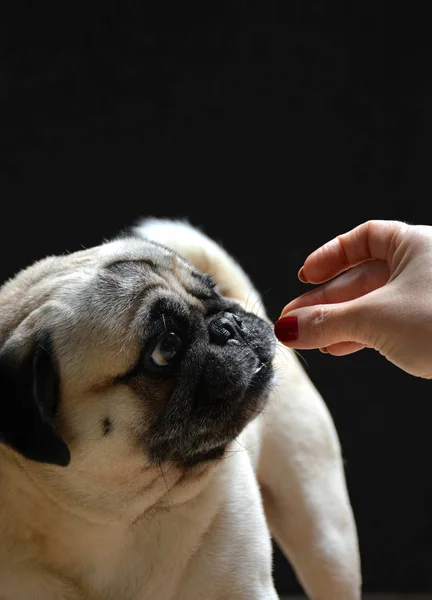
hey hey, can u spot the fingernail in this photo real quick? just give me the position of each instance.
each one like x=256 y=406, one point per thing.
x=286 y=329
x=301 y=276
x=323 y=350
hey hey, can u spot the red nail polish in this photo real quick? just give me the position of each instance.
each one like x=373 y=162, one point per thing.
x=286 y=329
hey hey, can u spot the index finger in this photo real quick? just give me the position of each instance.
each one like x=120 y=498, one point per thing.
x=372 y=239
x=361 y=280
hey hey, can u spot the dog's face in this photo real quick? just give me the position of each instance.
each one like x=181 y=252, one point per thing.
x=127 y=351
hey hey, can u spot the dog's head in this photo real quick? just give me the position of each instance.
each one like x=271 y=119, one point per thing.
x=126 y=350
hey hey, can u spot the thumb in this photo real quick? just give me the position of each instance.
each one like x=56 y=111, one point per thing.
x=323 y=325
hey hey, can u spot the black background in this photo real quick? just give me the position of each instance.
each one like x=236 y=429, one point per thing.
x=274 y=126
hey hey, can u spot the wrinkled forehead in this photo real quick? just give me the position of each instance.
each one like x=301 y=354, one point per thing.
x=132 y=273
x=112 y=310
x=131 y=265
x=134 y=249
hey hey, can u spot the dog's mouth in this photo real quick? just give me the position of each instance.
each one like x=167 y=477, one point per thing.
x=203 y=430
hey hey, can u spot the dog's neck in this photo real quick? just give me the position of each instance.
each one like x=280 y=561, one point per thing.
x=43 y=524
x=126 y=494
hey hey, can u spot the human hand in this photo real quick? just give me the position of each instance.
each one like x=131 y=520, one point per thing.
x=381 y=299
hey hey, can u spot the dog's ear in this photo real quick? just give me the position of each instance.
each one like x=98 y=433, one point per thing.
x=29 y=398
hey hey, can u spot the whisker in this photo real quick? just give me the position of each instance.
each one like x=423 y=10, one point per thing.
x=231 y=453
x=303 y=359
x=258 y=304
x=237 y=442
x=287 y=355
x=247 y=299
x=244 y=447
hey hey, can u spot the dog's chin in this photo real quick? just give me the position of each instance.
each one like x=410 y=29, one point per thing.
x=209 y=431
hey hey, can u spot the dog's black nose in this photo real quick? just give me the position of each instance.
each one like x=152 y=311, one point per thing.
x=224 y=327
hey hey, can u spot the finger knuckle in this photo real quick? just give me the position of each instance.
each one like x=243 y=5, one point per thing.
x=320 y=317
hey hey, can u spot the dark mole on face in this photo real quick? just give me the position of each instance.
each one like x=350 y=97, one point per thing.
x=106 y=425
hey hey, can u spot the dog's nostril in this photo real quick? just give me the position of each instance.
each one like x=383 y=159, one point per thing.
x=220 y=334
x=238 y=321
x=224 y=328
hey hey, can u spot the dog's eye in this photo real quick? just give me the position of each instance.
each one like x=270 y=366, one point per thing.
x=167 y=348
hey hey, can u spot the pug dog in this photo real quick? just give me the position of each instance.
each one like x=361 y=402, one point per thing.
x=155 y=437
